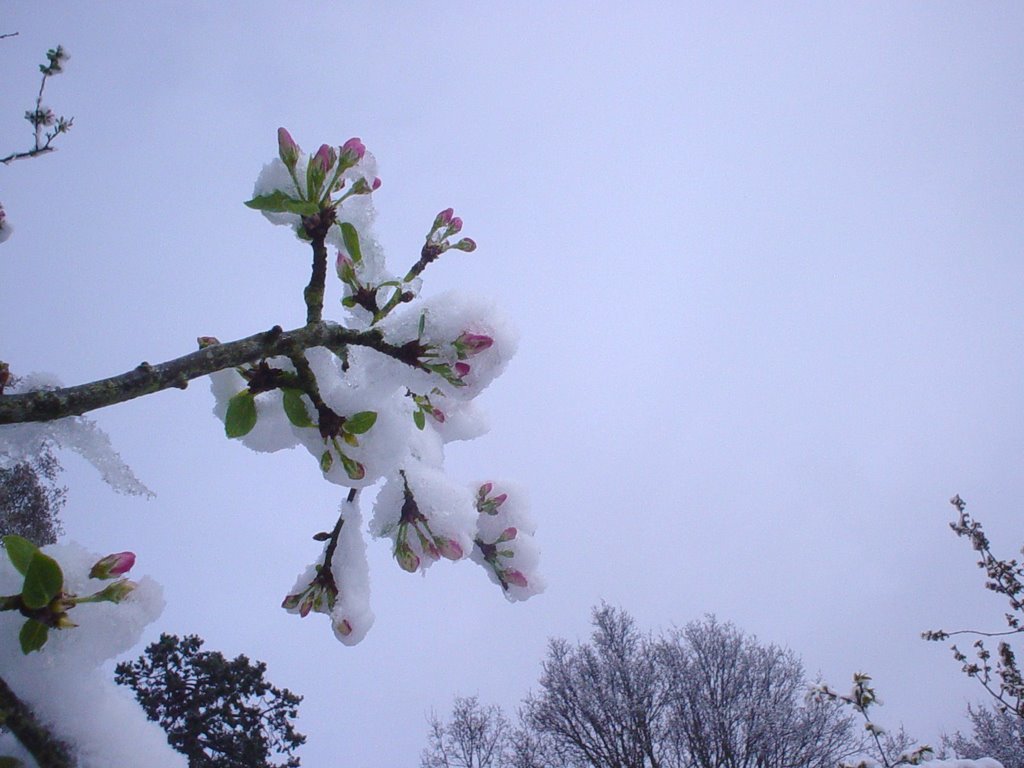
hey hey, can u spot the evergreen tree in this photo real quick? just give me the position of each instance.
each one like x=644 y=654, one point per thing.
x=219 y=713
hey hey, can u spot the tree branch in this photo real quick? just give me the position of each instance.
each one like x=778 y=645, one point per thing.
x=47 y=405
x=15 y=715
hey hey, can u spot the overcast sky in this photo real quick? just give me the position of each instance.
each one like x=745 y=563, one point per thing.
x=765 y=260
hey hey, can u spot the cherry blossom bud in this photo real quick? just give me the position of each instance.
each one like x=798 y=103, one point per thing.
x=343 y=627
x=364 y=187
x=442 y=219
x=455 y=226
x=352 y=152
x=508 y=534
x=516 y=578
x=345 y=268
x=472 y=343
x=461 y=370
x=438 y=415
x=485 y=490
x=113 y=565
x=449 y=548
x=407 y=559
x=466 y=244
x=287 y=148
x=116 y=591
x=325 y=158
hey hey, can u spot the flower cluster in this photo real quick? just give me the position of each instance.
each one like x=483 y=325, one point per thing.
x=861 y=698
x=362 y=410
x=340 y=589
x=307 y=193
x=44 y=599
x=55 y=60
x=504 y=544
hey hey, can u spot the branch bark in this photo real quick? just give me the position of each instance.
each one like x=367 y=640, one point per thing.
x=15 y=715
x=145 y=379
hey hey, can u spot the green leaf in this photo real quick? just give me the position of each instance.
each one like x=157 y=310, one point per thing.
x=420 y=419
x=295 y=409
x=43 y=581
x=279 y=202
x=32 y=636
x=353 y=468
x=358 y=423
x=301 y=207
x=241 y=415
x=351 y=239
x=326 y=460
x=20 y=551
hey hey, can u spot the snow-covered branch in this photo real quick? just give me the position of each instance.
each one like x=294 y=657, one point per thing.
x=145 y=379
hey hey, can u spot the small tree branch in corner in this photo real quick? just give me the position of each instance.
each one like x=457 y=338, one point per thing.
x=49 y=751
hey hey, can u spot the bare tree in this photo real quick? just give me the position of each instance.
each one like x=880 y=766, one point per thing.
x=706 y=696
x=737 y=704
x=31 y=500
x=994 y=734
x=475 y=737
x=603 y=703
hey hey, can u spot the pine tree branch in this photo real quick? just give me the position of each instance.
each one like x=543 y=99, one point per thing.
x=15 y=715
x=47 y=405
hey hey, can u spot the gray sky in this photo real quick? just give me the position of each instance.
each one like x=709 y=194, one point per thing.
x=766 y=266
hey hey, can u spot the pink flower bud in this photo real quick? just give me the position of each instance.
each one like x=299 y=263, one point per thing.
x=407 y=559
x=449 y=548
x=515 y=578
x=473 y=343
x=442 y=219
x=364 y=187
x=499 y=499
x=466 y=244
x=438 y=415
x=287 y=149
x=461 y=370
x=352 y=152
x=376 y=183
x=485 y=490
x=113 y=565
x=507 y=535
x=343 y=628
x=455 y=226
x=324 y=158
x=345 y=268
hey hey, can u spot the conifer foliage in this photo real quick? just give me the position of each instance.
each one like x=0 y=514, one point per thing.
x=220 y=713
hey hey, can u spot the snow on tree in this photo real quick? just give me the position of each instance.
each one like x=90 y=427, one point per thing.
x=374 y=398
